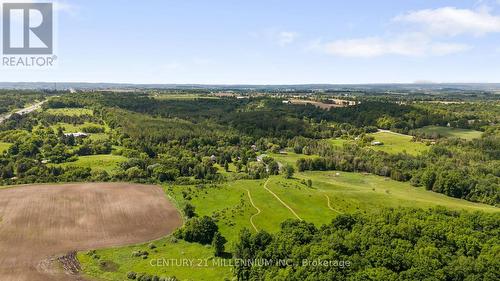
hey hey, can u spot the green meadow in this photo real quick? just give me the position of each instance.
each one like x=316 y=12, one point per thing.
x=290 y=157
x=391 y=143
x=69 y=111
x=398 y=143
x=75 y=128
x=451 y=132
x=338 y=142
x=159 y=262
x=104 y=162
x=332 y=193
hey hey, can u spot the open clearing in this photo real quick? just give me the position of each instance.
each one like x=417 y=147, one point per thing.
x=4 y=146
x=392 y=143
x=451 y=132
x=40 y=222
x=70 y=111
x=398 y=143
x=104 y=162
x=76 y=128
x=247 y=203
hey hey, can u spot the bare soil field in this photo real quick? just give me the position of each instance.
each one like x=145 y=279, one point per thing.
x=41 y=224
x=322 y=105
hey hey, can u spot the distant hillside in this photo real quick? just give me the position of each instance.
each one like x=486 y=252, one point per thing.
x=303 y=87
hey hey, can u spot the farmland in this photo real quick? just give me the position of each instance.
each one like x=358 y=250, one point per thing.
x=81 y=216
x=242 y=172
x=448 y=132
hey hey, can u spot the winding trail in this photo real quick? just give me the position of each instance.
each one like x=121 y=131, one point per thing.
x=279 y=199
x=330 y=206
x=258 y=211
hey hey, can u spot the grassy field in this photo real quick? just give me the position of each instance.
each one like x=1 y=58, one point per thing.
x=4 y=146
x=398 y=143
x=70 y=111
x=72 y=128
x=106 y=162
x=451 y=132
x=356 y=191
x=391 y=143
x=332 y=193
x=338 y=142
x=203 y=266
x=290 y=157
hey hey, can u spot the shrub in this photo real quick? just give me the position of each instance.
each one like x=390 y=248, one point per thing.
x=189 y=211
x=131 y=275
x=201 y=230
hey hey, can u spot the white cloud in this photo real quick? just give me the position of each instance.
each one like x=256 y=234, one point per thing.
x=452 y=21
x=425 y=33
x=286 y=37
x=412 y=45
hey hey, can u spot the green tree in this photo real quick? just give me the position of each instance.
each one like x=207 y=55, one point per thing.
x=189 y=210
x=218 y=244
x=273 y=168
x=289 y=171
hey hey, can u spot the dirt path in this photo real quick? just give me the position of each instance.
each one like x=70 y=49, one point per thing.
x=279 y=199
x=330 y=206
x=258 y=211
x=42 y=223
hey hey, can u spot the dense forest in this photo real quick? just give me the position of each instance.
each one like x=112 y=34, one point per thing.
x=171 y=140
x=404 y=244
x=192 y=143
x=10 y=100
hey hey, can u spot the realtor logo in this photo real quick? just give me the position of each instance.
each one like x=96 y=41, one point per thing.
x=27 y=28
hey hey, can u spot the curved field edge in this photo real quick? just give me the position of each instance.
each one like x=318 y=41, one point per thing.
x=230 y=205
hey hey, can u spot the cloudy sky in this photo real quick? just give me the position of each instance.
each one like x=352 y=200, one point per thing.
x=273 y=42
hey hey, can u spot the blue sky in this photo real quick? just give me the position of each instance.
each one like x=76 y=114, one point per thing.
x=273 y=42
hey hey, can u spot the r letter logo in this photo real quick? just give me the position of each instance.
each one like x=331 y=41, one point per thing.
x=27 y=28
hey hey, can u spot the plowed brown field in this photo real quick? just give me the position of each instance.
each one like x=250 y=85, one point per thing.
x=41 y=222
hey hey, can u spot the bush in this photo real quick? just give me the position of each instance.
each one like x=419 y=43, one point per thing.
x=189 y=211
x=289 y=171
x=201 y=230
x=91 y=129
x=131 y=275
